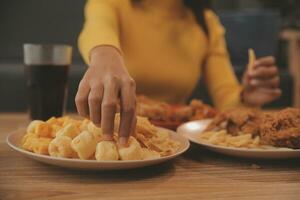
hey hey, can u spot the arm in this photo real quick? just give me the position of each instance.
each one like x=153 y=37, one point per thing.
x=107 y=79
x=259 y=87
x=219 y=77
x=101 y=27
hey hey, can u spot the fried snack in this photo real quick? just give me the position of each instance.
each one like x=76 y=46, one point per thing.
x=61 y=147
x=70 y=130
x=282 y=129
x=172 y=115
x=106 y=150
x=97 y=132
x=40 y=128
x=84 y=145
x=222 y=138
x=31 y=142
x=251 y=58
x=242 y=119
x=132 y=152
x=40 y=145
x=148 y=154
x=84 y=125
x=71 y=138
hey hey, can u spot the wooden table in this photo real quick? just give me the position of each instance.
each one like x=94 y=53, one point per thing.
x=197 y=174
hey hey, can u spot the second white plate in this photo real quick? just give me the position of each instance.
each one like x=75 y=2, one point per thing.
x=192 y=130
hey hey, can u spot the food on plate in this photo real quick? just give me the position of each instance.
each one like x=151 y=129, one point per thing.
x=132 y=152
x=222 y=138
x=70 y=130
x=107 y=150
x=85 y=145
x=61 y=147
x=252 y=128
x=282 y=129
x=170 y=116
x=237 y=120
x=66 y=137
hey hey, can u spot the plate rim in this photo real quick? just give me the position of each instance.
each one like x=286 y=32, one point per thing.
x=76 y=160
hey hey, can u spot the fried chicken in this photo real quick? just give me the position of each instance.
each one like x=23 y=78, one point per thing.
x=242 y=119
x=281 y=129
x=161 y=111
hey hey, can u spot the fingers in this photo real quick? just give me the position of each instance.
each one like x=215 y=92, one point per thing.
x=264 y=72
x=109 y=106
x=95 y=101
x=81 y=98
x=271 y=94
x=264 y=61
x=128 y=105
x=273 y=82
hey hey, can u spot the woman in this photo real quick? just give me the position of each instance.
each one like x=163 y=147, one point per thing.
x=163 y=47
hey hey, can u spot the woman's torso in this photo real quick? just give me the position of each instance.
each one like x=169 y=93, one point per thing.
x=163 y=52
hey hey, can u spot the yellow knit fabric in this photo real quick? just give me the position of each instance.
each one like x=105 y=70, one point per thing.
x=165 y=55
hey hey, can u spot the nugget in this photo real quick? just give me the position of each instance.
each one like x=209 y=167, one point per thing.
x=132 y=152
x=106 y=150
x=84 y=145
x=40 y=145
x=28 y=141
x=69 y=130
x=97 y=132
x=84 y=125
x=61 y=147
x=39 y=128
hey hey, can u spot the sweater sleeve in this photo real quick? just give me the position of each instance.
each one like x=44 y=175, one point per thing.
x=219 y=76
x=101 y=27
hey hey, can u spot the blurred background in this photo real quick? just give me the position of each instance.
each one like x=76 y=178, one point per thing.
x=270 y=27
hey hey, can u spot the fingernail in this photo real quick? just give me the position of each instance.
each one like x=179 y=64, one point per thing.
x=123 y=140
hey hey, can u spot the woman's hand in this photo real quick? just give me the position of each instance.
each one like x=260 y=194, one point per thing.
x=261 y=82
x=106 y=82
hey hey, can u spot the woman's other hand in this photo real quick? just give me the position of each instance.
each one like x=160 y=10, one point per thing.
x=261 y=82
x=105 y=82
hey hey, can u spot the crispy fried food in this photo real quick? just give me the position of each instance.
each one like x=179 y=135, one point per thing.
x=281 y=129
x=106 y=150
x=202 y=110
x=84 y=145
x=148 y=154
x=61 y=147
x=237 y=120
x=72 y=138
x=132 y=152
x=163 y=114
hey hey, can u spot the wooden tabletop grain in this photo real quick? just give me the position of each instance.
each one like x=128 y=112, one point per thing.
x=198 y=174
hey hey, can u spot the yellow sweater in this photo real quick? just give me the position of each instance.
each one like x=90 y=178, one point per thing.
x=163 y=52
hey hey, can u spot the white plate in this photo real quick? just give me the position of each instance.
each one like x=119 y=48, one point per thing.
x=13 y=140
x=193 y=129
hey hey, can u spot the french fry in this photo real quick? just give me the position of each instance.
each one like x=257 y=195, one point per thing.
x=251 y=59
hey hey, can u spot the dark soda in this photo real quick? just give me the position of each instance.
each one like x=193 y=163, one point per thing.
x=46 y=88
